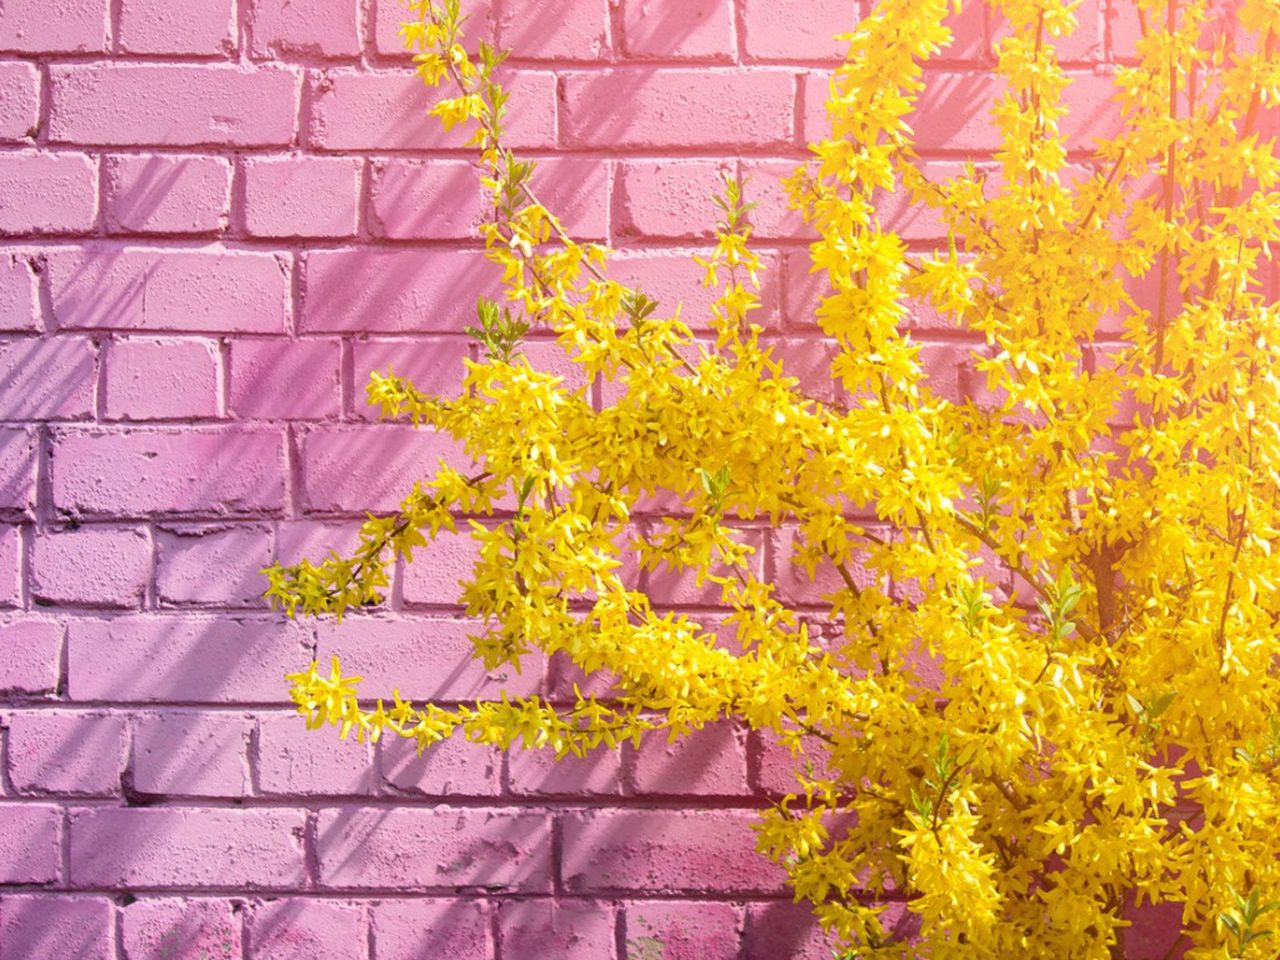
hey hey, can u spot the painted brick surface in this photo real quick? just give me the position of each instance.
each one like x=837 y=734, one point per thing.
x=46 y=926
x=217 y=219
x=205 y=847
x=17 y=470
x=19 y=294
x=161 y=379
x=199 y=28
x=183 y=927
x=19 y=100
x=66 y=753
x=166 y=194
x=47 y=193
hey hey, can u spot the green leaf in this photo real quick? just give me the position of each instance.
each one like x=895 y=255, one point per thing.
x=1161 y=703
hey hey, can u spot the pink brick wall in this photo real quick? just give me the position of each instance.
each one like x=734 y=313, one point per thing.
x=216 y=217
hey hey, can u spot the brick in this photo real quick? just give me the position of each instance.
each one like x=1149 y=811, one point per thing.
x=665 y=852
x=915 y=221
x=19 y=294
x=151 y=379
x=457 y=929
x=313 y=28
x=803 y=291
x=284 y=379
x=161 y=194
x=351 y=110
x=379 y=291
x=372 y=468
x=670 y=199
x=1155 y=930
x=172 y=105
x=435 y=576
x=815 y=89
x=565 y=930
x=577 y=191
x=192 y=755
x=218 y=566
x=63 y=26
x=944 y=365
x=437 y=847
x=11 y=551
x=19 y=100
x=301 y=196
x=696 y=30
x=451 y=768
x=581 y=30
x=674 y=278
x=433 y=200
x=17 y=470
x=798 y=29
x=1123 y=30
x=675 y=930
x=677 y=108
x=295 y=761
x=47 y=193
x=297 y=929
x=775 y=769
x=197 y=28
x=91 y=566
x=954 y=113
x=786 y=929
x=181 y=929
x=192 y=471
x=47 y=379
x=29 y=849
x=433 y=364
x=808 y=359
x=211 y=290
x=186 y=847
x=296 y=539
x=1093 y=113
x=562 y=676
x=773 y=218
x=707 y=762
x=668 y=587
x=149 y=658
x=548 y=356
x=970 y=41
x=66 y=753
x=537 y=773
x=424 y=659
x=796 y=587
x=38 y=927
x=29 y=654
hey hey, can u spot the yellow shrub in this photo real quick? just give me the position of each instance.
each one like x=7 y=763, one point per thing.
x=1106 y=733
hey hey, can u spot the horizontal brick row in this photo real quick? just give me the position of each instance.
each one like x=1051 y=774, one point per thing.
x=217 y=563
x=181 y=196
x=151 y=926
x=366 y=291
x=705 y=31
x=741 y=109
x=172 y=753
x=600 y=852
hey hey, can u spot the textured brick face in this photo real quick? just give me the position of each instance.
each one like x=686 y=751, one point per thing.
x=217 y=218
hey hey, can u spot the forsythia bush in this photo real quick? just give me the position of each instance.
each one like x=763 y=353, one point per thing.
x=1020 y=768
